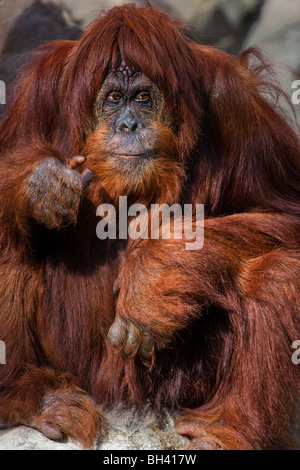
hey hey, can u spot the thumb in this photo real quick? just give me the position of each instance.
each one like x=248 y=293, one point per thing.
x=87 y=174
x=75 y=162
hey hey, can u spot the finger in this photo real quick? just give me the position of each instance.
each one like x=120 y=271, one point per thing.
x=75 y=162
x=133 y=342
x=51 y=432
x=117 y=334
x=147 y=347
x=86 y=177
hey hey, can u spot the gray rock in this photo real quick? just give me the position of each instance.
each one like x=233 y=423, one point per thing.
x=277 y=32
x=126 y=431
x=217 y=22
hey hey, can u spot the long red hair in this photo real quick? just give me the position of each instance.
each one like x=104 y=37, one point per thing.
x=242 y=153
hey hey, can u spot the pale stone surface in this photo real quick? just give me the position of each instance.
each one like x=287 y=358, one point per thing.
x=126 y=431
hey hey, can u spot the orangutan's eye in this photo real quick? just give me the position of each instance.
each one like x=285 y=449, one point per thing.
x=114 y=98
x=142 y=97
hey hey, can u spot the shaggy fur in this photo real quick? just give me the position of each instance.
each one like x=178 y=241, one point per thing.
x=220 y=320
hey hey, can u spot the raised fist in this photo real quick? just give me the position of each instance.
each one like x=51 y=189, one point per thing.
x=54 y=191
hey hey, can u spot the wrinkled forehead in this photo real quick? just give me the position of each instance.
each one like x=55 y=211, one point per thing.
x=125 y=72
x=125 y=77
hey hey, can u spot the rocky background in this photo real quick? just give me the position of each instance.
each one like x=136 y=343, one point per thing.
x=232 y=25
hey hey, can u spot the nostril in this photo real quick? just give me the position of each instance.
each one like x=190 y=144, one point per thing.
x=128 y=123
x=129 y=126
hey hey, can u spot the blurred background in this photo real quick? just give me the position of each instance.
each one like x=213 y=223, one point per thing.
x=232 y=25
